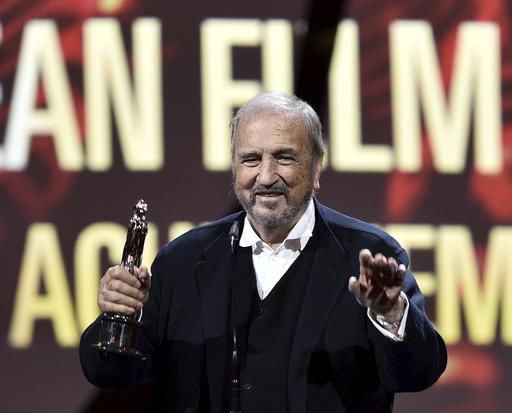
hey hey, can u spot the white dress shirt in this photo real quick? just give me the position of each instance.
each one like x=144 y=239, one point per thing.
x=271 y=264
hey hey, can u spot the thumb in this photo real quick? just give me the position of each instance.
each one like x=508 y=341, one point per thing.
x=144 y=276
x=353 y=286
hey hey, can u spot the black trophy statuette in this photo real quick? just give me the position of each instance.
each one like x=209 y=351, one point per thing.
x=119 y=332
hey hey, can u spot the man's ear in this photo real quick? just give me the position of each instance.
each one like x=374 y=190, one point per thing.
x=317 y=170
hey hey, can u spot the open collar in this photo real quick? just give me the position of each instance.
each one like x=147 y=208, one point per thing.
x=301 y=231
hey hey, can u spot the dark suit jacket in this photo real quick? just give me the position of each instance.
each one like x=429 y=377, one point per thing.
x=339 y=361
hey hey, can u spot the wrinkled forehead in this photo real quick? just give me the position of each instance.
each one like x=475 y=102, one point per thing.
x=288 y=121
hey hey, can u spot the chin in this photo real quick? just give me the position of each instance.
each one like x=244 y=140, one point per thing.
x=269 y=219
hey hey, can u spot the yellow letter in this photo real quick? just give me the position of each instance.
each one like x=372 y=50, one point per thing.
x=1 y=88
x=221 y=94
x=347 y=151
x=42 y=262
x=40 y=55
x=475 y=77
x=458 y=279
x=498 y=270
x=107 y=81
x=179 y=228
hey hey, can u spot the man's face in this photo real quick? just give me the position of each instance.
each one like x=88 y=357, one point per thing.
x=274 y=171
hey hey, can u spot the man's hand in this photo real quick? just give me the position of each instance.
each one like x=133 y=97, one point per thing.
x=122 y=292
x=379 y=285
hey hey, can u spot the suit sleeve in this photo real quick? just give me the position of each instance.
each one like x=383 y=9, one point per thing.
x=416 y=362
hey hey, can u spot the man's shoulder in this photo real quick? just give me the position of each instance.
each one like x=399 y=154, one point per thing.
x=199 y=238
x=345 y=228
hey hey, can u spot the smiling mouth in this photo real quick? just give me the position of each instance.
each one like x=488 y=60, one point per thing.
x=268 y=194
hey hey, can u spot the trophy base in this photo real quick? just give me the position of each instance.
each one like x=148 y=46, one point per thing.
x=118 y=336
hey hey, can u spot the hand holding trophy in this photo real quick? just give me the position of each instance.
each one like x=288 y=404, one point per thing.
x=123 y=291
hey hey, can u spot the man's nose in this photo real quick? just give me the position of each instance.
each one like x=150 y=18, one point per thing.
x=267 y=174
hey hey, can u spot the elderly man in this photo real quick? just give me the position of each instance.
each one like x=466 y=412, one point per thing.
x=327 y=317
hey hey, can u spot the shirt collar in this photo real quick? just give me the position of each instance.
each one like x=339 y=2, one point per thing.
x=302 y=231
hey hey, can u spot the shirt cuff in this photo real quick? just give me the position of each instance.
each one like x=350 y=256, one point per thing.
x=400 y=335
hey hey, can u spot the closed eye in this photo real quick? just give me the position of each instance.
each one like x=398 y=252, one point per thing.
x=286 y=159
x=251 y=162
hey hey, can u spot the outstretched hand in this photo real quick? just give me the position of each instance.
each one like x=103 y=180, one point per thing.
x=379 y=284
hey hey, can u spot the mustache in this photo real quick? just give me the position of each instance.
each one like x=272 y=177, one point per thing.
x=276 y=188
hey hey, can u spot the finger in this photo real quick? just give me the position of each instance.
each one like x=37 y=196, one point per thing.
x=121 y=287
x=365 y=284
x=117 y=308
x=365 y=263
x=120 y=273
x=393 y=266
x=400 y=274
x=369 y=291
x=143 y=274
x=145 y=278
x=355 y=287
x=365 y=258
x=109 y=273
x=358 y=288
x=114 y=297
x=397 y=275
x=389 y=271
x=380 y=264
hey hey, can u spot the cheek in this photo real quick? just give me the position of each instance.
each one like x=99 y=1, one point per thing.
x=303 y=181
x=301 y=177
x=243 y=179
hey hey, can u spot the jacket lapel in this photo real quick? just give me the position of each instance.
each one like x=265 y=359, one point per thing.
x=213 y=274
x=324 y=288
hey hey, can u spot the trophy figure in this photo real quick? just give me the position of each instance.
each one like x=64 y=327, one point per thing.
x=119 y=332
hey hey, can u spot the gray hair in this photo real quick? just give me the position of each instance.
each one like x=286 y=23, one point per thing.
x=278 y=102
